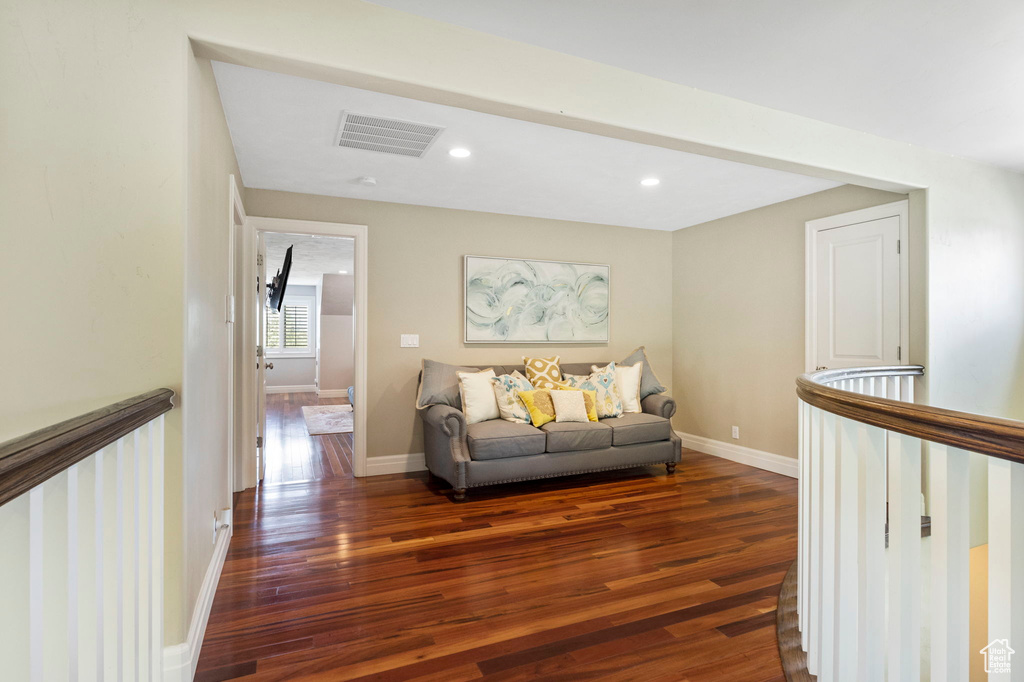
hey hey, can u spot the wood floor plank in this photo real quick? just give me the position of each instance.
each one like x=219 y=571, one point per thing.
x=628 y=575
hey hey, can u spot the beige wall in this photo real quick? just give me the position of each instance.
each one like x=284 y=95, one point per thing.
x=415 y=287
x=337 y=342
x=205 y=388
x=738 y=318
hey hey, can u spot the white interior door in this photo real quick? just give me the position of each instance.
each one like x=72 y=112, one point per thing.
x=261 y=360
x=857 y=291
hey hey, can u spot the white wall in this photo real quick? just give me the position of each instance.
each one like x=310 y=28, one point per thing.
x=337 y=343
x=337 y=355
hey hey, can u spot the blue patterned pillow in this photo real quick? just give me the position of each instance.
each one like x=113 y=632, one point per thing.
x=506 y=391
x=602 y=382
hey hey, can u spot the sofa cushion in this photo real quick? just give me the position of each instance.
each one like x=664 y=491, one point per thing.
x=638 y=428
x=497 y=439
x=573 y=436
x=649 y=384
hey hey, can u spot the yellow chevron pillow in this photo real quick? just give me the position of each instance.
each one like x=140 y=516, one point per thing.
x=544 y=372
x=539 y=405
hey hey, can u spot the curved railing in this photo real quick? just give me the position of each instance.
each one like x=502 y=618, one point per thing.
x=877 y=471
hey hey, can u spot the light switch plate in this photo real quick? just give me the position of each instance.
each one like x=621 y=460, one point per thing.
x=410 y=340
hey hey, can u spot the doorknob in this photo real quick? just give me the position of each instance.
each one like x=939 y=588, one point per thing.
x=269 y=365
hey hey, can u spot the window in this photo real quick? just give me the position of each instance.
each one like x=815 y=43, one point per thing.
x=290 y=332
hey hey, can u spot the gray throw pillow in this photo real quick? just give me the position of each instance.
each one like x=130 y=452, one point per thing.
x=439 y=385
x=649 y=384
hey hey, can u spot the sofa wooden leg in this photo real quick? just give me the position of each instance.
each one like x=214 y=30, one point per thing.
x=670 y=467
x=460 y=494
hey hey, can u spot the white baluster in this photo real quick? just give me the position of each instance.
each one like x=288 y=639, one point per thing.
x=56 y=595
x=1006 y=558
x=949 y=607
x=136 y=585
x=100 y=576
x=814 y=598
x=871 y=550
x=847 y=546
x=14 y=597
x=123 y=535
x=904 y=557
x=35 y=583
x=801 y=501
x=72 y=573
x=827 y=566
x=908 y=389
x=156 y=440
x=142 y=591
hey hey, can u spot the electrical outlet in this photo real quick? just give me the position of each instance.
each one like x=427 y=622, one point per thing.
x=736 y=432
x=410 y=341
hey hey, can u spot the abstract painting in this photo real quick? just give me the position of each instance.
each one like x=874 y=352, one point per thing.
x=510 y=300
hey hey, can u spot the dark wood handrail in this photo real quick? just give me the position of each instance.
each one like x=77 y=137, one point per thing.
x=32 y=459
x=1002 y=438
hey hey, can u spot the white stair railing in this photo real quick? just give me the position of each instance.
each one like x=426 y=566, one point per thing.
x=862 y=560
x=81 y=532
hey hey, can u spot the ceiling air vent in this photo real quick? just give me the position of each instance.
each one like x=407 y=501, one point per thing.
x=388 y=135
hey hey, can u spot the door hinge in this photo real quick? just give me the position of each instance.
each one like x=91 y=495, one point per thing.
x=259 y=260
x=259 y=441
x=899 y=352
x=898 y=246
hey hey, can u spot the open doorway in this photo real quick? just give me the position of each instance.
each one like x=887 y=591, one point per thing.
x=309 y=357
x=310 y=348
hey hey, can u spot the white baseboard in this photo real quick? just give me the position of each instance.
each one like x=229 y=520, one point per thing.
x=333 y=392
x=395 y=464
x=787 y=466
x=291 y=389
x=180 y=660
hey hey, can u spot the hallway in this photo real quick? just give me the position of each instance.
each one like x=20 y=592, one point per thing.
x=292 y=454
x=619 y=575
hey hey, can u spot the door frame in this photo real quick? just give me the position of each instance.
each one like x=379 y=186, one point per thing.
x=900 y=209
x=256 y=224
x=236 y=228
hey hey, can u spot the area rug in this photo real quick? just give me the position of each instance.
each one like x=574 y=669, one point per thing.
x=323 y=419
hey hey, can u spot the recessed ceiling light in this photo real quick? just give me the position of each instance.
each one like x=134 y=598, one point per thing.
x=650 y=182
x=342 y=272
x=459 y=152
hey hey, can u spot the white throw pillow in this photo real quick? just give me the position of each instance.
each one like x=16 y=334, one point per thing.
x=477 y=393
x=569 y=406
x=627 y=379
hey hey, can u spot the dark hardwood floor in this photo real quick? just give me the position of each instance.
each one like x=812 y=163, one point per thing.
x=293 y=454
x=629 y=575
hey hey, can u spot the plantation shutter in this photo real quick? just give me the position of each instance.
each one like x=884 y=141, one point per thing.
x=296 y=326
x=273 y=329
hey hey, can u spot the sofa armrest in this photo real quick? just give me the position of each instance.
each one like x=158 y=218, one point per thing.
x=444 y=443
x=660 y=405
x=450 y=420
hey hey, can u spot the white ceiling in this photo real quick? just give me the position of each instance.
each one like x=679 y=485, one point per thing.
x=284 y=130
x=943 y=74
x=311 y=257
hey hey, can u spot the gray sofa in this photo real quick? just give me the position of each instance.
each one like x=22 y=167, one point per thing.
x=499 y=451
